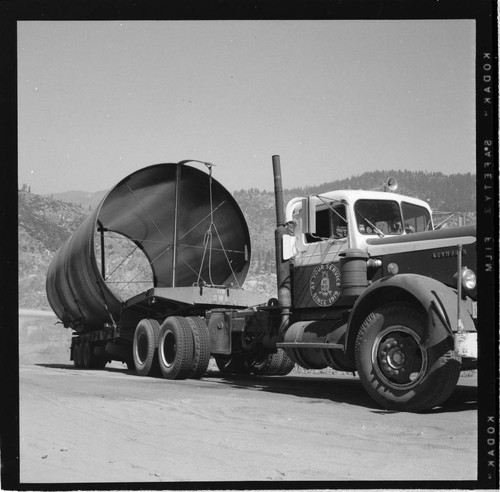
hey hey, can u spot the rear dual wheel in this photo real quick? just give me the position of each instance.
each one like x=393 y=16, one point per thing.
x=179 y=349
x=233 y=365
x=145 y=347
x=274 y=364
x=78 y=354
x=84 y=357
x=89 y=359
x=176 y=348
x=201 y=349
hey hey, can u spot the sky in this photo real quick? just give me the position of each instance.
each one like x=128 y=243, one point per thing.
x=334 y=98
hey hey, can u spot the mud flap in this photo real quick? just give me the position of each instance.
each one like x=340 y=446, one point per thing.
x=437 y=332
x=219 y=326
x=466 y=344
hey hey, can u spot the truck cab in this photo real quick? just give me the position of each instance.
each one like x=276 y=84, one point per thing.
x=328 y=225
x=325 y=225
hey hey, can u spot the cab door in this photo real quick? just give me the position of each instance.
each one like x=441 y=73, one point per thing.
x=316 y=268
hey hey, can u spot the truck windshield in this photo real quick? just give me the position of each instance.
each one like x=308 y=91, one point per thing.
x=380 y=217
x=416 y=219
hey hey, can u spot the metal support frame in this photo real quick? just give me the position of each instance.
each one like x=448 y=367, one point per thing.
x=101 y=230
x=176 y=217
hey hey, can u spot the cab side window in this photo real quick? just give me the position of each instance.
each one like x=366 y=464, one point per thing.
x=330 y=224
x=416 y=219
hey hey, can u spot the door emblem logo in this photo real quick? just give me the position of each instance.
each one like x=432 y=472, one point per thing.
x=325 y=284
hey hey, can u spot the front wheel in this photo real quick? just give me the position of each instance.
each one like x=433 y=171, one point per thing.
x=396 y=368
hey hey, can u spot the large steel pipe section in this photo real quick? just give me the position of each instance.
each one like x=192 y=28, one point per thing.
x=75 y=288
x=188 y=226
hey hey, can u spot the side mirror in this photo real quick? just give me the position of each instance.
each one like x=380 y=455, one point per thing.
x=308 y=216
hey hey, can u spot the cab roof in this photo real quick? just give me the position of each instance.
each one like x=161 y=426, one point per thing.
x=351 y=196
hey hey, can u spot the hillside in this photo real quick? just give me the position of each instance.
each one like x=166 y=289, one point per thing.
x=88 y=201
x=46 y=222
x=43 y=226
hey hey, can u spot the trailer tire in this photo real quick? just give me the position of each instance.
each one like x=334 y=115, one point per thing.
x=201 y=339
x=145 y=347
x=81 y=353
x=89 y=361
x=100 y=361
x=397 y=370
x=176 y=348
x=77 y=356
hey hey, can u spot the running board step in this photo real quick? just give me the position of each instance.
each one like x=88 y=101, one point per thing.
x=291 y=345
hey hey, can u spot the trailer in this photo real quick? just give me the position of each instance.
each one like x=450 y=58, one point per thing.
x=154 y=277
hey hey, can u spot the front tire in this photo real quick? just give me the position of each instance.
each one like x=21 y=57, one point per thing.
x=397 y=369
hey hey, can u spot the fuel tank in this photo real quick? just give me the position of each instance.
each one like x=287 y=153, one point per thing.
x=167 y=225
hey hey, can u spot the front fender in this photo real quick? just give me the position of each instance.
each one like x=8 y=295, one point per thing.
x=436 y=299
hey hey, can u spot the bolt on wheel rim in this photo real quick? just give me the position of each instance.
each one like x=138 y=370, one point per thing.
x=168 y=349
x=398 y=357
x=141 y=350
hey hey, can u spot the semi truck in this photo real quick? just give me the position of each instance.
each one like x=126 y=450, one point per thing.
x=366 y=283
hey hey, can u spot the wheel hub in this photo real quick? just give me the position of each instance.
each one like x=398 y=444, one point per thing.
x=398 y=357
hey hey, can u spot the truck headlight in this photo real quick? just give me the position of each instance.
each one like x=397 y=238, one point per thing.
x=469 y=280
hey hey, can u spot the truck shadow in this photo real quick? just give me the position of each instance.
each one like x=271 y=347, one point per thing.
x=346 y=389
x=70 y=367
x=340 y=389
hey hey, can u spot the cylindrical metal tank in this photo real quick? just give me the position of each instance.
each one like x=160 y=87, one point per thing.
x=189 y=227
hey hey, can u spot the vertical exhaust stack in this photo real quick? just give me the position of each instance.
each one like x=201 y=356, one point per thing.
x=282 y=266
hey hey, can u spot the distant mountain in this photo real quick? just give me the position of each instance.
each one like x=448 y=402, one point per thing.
x=45 y=222
x=79 y=198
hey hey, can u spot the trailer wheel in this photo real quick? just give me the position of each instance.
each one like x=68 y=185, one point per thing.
x=100 y=361
x=77 y=355
x=88 y=356
x=81 y=354
x=145 y=347
x=176 y=348
x=397 y=370
x=201 y=338
x=89 y=359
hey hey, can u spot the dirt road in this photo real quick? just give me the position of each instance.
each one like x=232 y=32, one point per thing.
x=113 y=426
